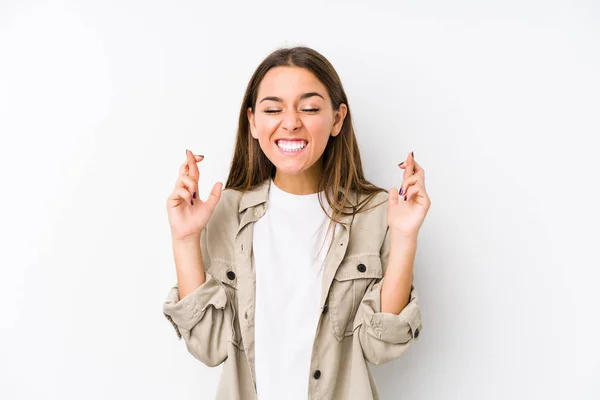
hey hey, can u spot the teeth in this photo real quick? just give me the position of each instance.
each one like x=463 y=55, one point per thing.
x=291 y=145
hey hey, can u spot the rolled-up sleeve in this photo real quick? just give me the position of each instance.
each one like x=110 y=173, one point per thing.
x=202 y=318
x=386 y=336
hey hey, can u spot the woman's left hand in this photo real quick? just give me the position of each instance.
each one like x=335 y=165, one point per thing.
x=407 y=213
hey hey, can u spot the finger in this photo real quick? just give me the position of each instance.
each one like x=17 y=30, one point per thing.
x=406 y=183
x=412 y=191
x=420 y=172
x=393 y=196
x=215 y=195
x=410 y=164
x=184 y=168
x=193 y=171
x=418 y=169
x=404 y=165
x=180 y=194
x=407 y=167
x=188 y=183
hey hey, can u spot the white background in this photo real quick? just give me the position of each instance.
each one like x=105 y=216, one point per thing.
x=499 y=101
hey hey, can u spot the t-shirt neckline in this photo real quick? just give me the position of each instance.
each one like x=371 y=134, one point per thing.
x=280 y=196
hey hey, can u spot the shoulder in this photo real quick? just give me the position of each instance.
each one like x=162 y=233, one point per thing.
x=220 y=233
x=369 y=226
x=225 y=217
x=373 y=214
x=228 y=203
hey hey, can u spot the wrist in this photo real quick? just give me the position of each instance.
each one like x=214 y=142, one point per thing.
x=396 y=235
x=186 y=241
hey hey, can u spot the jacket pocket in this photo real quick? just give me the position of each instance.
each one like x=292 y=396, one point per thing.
x=350 y=283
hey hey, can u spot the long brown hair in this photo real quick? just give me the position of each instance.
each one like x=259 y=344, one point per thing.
x=342 y=168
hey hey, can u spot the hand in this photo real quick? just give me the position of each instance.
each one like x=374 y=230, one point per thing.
x=406 y=215
x=188 y=215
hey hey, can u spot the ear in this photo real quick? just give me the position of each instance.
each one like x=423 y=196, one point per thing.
x=251 y=121
x=339 y=117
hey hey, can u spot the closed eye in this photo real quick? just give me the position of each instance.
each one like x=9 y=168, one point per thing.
x=306 y=110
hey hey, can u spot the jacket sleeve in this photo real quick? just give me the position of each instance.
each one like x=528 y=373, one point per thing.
x=386 y=336
x=203 y=317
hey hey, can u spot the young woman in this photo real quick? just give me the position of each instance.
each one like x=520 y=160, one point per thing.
x=301 y=270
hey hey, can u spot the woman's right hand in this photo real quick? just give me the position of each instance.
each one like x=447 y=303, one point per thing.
x=188 y=215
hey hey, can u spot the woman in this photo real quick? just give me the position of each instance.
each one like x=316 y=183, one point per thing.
x=294 y=306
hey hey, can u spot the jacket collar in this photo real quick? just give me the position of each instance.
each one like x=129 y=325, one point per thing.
x=253 y=197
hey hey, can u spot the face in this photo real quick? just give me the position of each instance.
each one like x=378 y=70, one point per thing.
x=293 y=120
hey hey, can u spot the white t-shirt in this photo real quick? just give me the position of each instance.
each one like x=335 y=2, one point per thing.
x=289 y=272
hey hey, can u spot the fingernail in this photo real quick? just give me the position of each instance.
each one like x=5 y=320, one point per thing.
x=193 y=202
x=400 y=190
x=199 y=155
x=401 y=163
x=413 y=154
x=194 y=196
x=186 y=152
x=404 y=198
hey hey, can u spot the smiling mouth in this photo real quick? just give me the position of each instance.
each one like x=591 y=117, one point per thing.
x=291 y=146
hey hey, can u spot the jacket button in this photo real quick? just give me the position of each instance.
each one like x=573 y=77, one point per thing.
x=317 y=374
x=325 y=308
x=231 y=275
x=362 y=267
x=416 y=332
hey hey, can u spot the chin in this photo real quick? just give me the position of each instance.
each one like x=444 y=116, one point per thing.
x=289 y=169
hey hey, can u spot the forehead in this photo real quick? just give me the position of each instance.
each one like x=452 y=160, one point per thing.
x=290 y=82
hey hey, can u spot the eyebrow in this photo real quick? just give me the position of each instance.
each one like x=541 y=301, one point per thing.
x=304 y=96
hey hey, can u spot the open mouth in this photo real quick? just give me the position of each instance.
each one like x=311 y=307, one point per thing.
x=291 y=146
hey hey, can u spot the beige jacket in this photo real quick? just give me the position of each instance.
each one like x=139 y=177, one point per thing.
x=216 y=320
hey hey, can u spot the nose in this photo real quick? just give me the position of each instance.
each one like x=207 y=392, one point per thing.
x=290 y=121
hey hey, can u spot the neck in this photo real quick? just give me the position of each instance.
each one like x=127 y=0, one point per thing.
x=304 y=182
